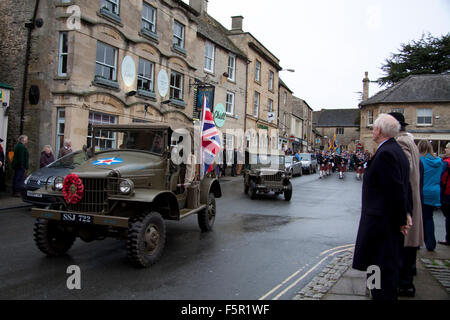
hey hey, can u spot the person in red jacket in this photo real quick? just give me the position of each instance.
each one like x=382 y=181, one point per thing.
x=445 y=196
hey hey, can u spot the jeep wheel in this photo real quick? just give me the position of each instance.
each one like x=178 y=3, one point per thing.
x=246 y=187
x=288 y=192
x=146 y=239
x=207 y=217
x=51 y=238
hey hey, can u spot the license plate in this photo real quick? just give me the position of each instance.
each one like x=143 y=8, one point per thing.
x=78 y=218
x=34 y=194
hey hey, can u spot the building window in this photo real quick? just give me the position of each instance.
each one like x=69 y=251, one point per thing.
x=63 y=53
x=106 y=139
x=285 y=98
x=176 y=86
x=270 y=104
x=256 y=105
x=178 y=34
x=146 y=75
x=258 y=71
x=271 y=79
x=111 y=5
x=231 y=67
x=230 y=103
x=284 y=121
x=106 y=62
x=60 y=127
x=424 y=116
x=339 y=130
x=209 y=56
x=148 y=18
x=369 y=118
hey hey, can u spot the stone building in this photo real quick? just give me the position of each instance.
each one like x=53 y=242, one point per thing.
x=222 y=67
x=103 y=61
x=284 y=116
x=262 y=88
x=424 y=100
x=344 y=123
x=301 y=137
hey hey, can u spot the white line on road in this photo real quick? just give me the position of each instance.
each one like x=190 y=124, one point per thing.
x=303 y=276
x=345 y=246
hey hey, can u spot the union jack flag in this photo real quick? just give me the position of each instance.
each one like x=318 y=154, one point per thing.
x=210 y=139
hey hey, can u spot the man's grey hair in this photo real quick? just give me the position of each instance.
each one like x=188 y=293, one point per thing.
x=67 y=142
x=22 y=138
x=389 y=126
x=49 y=148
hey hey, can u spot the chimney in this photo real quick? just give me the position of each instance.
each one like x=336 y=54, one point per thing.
x=236 y=23
x=366 y=82
x=199 y=5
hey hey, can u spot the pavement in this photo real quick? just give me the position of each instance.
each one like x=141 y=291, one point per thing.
x=338 y=281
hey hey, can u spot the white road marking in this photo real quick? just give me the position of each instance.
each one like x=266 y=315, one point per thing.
x=288 y=279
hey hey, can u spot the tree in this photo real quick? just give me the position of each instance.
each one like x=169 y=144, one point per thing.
x=429 y=55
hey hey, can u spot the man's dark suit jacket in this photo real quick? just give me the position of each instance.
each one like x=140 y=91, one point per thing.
x=384 y=209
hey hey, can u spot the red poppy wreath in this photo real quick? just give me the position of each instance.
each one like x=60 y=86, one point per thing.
x=73 y=189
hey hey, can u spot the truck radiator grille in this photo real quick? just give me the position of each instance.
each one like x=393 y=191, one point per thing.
x=95 y=199
x=273 y=177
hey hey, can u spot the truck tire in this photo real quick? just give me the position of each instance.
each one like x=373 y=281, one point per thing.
x=146 y=239
x=288 y=192
x=207 y=217
x=51 y=238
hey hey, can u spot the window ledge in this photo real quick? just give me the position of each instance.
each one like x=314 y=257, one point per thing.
x=179 y=50
x=104 y=13
x=149 y=35
x=177 y=103
x=146 y=94
x=425 y=125
x=110 y=84
x=59 y=3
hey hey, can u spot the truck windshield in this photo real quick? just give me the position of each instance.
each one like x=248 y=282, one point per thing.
x=142 y=140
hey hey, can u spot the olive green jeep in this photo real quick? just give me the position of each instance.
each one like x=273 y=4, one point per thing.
x=267 y=174
x=133 y=178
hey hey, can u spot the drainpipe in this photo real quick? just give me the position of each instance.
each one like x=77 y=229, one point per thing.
x=30 y=26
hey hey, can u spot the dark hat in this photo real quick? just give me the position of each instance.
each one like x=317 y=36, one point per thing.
x=1 y=140
x=400 y=118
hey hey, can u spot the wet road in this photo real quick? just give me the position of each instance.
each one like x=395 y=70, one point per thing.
x=259 y=249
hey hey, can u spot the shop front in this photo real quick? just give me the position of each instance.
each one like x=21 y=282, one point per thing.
x=438 y=140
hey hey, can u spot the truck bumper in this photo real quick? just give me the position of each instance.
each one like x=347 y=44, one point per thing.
x=80 y=218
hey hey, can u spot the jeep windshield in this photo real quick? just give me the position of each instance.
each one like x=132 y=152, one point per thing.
x=148 y=140
x=267 y=159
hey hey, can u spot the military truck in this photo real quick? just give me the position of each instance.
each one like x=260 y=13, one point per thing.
x=267 y=173
x=126 y=188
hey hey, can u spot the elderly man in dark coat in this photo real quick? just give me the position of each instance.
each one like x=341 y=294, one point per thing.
x=384 y=215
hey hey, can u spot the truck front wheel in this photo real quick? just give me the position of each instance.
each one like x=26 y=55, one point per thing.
x=51 y=238
x=207 y=217
x=146 y=239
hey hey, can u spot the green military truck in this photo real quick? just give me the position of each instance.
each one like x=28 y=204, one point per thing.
x=267 y=173
x=126 y=188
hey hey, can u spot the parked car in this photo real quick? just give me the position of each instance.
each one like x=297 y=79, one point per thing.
x=309 y=162
x=293 y=166
x=46 y=175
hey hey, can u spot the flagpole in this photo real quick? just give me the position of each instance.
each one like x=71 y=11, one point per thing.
x=202 y=173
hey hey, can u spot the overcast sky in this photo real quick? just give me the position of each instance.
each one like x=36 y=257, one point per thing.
x=331 y=43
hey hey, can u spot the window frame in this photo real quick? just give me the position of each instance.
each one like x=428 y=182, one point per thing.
x=145 y=20
x=174 y=88
x=418 y=116
x=179 y=38
x=60 y=120
x=91 y=122
x=209 y=59
x=63 y=55
x=114 y=3
x=256 y=104
x=143 y=77
x=258 y=71
x=271 y=80
x=232 y=104
x=232 y=69
x=370 y=119
x=103 y=64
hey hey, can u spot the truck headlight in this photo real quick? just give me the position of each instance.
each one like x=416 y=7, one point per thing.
x=58 y=183
x=126 y=187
